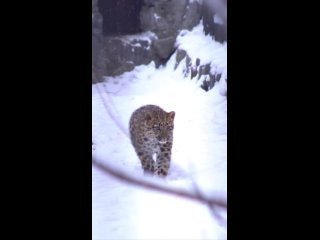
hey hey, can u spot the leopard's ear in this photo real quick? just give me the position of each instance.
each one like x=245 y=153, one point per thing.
x=171 y=115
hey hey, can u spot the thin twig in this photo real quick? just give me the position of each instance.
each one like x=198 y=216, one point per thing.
x=213 y=208
x=105 y=98
x=120 y=175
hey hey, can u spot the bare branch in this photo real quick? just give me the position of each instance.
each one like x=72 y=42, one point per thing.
x=211 y=206
x=105 y=98
x=120 y=175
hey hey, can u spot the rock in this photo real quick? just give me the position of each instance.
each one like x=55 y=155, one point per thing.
x=114 y=21
x=203 y=73
x=218 y=77
x=120 y=16
x=192 y=15
x=163 y=48
x=163 y=17
x=197 y=62
x=166 y=18
x=205 y=84
x=97 y=44
x=210 y=81
x=207 y=17
x=181 y=54
x=220 y=32
x=212 y=23
x=194 y=72
x=122 y=55
x=204 y=70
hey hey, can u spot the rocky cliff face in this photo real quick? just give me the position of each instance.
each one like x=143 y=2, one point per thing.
x=97 y=46
x=125 y=35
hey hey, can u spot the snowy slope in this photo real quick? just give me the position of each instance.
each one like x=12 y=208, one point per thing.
x=122 y=211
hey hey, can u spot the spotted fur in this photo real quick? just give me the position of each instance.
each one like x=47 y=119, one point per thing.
x=151 y=133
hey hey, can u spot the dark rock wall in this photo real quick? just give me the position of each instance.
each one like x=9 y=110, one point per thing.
x=113 y=20
x=120 y=16
x=217 y=29
x=98 y=70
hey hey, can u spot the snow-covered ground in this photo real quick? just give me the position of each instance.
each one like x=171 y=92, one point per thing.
x=122 y=211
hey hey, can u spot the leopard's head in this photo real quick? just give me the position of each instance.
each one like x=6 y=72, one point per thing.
x=160 y=125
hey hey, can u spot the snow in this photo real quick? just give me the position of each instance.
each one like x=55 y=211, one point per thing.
x=199 y=154
x=200 y=46
x=145 y=36
x=156 y=16
x=135 y=45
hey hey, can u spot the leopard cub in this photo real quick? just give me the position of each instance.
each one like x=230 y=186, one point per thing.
x=151 y=132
